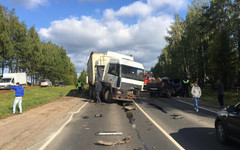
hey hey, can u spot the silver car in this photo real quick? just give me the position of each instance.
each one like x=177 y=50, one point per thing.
x=46 y=83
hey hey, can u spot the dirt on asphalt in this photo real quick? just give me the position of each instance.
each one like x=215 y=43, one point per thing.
x=22 y=131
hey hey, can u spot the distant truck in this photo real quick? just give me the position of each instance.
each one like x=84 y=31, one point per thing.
x=122 y=78
x=10 y=79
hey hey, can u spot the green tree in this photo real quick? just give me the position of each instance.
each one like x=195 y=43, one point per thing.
x=83 y=77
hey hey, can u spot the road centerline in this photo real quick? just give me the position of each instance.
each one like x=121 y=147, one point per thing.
x=160 y=128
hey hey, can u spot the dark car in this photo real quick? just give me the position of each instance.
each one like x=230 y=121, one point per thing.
x=59 y=83
x=227 y=124
x=163 y=88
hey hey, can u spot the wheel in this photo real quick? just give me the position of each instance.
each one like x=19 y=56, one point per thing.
x=90 y=92
x=108 y=96
x=94 y=93
x=221 y=132
x=168 y=94
x=137 y=93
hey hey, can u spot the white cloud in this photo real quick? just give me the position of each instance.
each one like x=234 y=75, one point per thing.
x=29 y=4
x=171 y=5
x=143 y=39
x=136 y=9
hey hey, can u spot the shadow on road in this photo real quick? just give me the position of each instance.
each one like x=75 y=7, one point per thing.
x=201 y=138
x=75 y=93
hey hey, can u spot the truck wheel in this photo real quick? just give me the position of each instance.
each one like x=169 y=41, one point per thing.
x=108 y=96
x=137 y=94
x=94 y=93
x=90 y=92
x=168 y=94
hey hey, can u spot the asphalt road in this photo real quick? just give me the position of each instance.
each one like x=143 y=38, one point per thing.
x=189 y=129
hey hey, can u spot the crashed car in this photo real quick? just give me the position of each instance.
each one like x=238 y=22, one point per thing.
x=166 y=87
x=163 y=88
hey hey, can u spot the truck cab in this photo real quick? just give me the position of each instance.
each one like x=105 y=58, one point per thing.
x=122 y=78
x=9 y=79
x=6 y=82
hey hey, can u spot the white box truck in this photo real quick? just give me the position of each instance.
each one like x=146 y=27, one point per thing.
x=10 y=79
x=122 y=78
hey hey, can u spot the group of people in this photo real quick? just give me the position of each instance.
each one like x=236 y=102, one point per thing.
x=197 y=92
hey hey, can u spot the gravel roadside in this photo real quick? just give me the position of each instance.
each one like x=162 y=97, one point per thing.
x=22 y=131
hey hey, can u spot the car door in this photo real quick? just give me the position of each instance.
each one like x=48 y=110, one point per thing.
x=234 y=123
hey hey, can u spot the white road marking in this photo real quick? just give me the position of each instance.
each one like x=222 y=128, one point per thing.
x=207 y=109
x=60 y=129
x=160 y=128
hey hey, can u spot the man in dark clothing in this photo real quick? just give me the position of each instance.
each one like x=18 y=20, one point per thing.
x=185 y=87
x=220 y=89
x=98 y=88
x=19 y=92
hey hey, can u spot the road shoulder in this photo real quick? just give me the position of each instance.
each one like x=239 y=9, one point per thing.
x=22 y=131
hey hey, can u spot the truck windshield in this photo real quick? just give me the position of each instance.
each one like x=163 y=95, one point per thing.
x=132 y=73
x=5 y=80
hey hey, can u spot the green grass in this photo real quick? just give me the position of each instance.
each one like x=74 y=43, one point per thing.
x=230 y=97
x=33 y=97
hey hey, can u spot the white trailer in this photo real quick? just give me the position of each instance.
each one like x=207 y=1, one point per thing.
x=122 y=78
x=10 y=79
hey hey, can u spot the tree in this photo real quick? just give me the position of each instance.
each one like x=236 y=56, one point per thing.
x=83 y=77
x=22 y=50
x=204 y=46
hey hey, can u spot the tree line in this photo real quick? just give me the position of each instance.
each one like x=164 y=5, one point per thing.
x=205 y=46
x=21 y=50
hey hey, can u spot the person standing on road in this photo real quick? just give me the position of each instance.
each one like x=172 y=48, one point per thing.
x=220 y=89
x=79 y=85
x=186 y=84
x=98 y=88
x=19 y=92
x=196 y=93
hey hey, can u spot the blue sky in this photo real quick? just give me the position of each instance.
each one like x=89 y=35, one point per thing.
x=131 y=27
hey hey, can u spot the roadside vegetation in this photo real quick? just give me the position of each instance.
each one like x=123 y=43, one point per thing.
x=231 y=97
x=205 y=45
x=21 y=50
x=33 y=97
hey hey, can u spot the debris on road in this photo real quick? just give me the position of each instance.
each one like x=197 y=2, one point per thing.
x=98 y=115
x=130 y=117
x=85 y=117
x=177 y=116
x=109 y=133
x=127 y=108
x=123 y=141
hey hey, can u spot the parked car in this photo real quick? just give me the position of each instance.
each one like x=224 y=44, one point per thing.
x=46 y=83
x=59 y=83
x=227 y=124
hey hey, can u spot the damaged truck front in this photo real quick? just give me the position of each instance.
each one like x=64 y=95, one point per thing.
x=122 y=78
